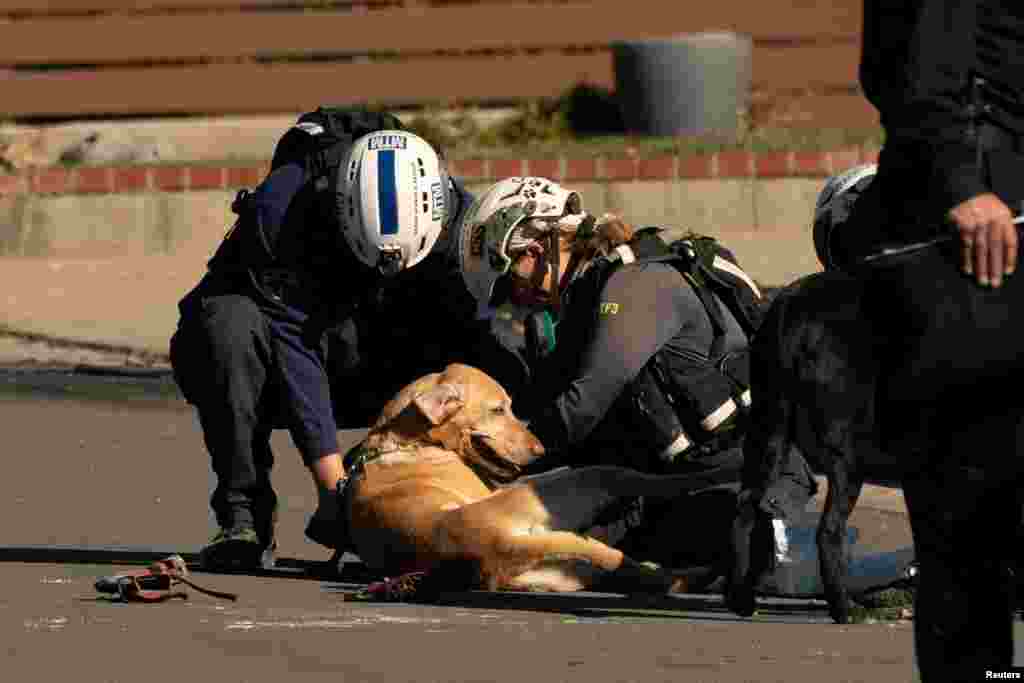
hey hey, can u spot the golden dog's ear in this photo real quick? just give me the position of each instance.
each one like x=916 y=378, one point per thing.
x=439 y=402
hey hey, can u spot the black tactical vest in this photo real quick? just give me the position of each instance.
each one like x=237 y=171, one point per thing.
x=684 y=406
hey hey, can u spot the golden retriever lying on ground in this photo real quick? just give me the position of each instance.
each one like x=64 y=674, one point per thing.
x=430 y=498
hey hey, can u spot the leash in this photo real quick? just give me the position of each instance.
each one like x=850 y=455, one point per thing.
x=893 y=253
x=154 y=584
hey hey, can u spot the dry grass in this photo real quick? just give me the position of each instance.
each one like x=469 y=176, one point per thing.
x=555 y=128
x=583 y=123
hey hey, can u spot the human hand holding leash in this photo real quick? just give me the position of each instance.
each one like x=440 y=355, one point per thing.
x=981 y=236
x=988 y=238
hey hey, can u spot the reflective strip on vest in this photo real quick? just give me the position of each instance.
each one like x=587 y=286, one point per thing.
x=626 y=254
x=735 y=271
x=720 y=415
x=745 y=398
x=681 y=443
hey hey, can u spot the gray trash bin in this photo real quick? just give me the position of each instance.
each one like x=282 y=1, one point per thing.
x=683 y=85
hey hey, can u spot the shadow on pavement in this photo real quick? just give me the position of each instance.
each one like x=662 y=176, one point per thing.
x=617 y=607
x=287 y=568
x=355 y=575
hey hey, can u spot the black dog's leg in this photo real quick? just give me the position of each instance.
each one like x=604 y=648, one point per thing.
x=752 y=550
x=766 y=445
x=844 y=487
x=739 y=595
x=844 y=424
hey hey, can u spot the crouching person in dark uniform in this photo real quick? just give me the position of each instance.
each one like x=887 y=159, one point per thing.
x=640 y=348
x=351 y=201
x=947 y=78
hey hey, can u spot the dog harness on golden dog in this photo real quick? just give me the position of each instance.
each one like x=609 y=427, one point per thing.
x=154 y=584
x=355 y=461
x=485 y=467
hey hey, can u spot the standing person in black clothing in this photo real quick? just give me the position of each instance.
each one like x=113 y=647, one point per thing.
x=639 y=356
x=947 y=77
x=352 y=204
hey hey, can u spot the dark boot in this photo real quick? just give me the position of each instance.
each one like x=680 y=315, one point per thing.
x=244 y=542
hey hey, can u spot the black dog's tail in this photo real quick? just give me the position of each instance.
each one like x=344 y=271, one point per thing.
x=771 y=431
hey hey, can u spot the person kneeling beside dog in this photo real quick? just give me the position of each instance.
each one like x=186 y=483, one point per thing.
x=353 y=203
x=638 y=348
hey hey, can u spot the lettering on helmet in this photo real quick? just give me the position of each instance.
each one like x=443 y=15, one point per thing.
x=386 y=142
x=496 y=258
x=437 y=201
x=608 y=308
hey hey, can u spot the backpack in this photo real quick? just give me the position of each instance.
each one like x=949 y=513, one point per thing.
x=320 y=138
x=709 y=267
x=305 y=159
x=703 y=261
x=672 y=398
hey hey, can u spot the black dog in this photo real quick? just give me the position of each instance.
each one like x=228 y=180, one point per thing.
x=814 y=372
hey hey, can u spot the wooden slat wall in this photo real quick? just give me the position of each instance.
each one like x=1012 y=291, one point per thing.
x=125 y=38
x=243 y=58
x=253 y=88
x=55 y=7
x=222 y=88
x=249 y=89
x=58 y=7
x=805 y=67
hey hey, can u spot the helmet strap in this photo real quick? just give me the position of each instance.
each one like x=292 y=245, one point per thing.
x=584 y=231
x=554 y=264
x=570 y=270
x=389 y=263
x=587 y=228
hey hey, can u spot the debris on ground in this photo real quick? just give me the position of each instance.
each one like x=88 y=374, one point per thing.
x=399 y=589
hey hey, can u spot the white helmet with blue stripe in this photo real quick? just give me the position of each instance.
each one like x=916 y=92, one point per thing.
x=393 y=199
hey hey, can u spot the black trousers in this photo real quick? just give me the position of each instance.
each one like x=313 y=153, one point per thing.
x=248 y=368
x=947 y=409
x=965 y=526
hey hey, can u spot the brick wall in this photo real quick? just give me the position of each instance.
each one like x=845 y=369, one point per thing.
x=730 y=164
x=104 y=254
